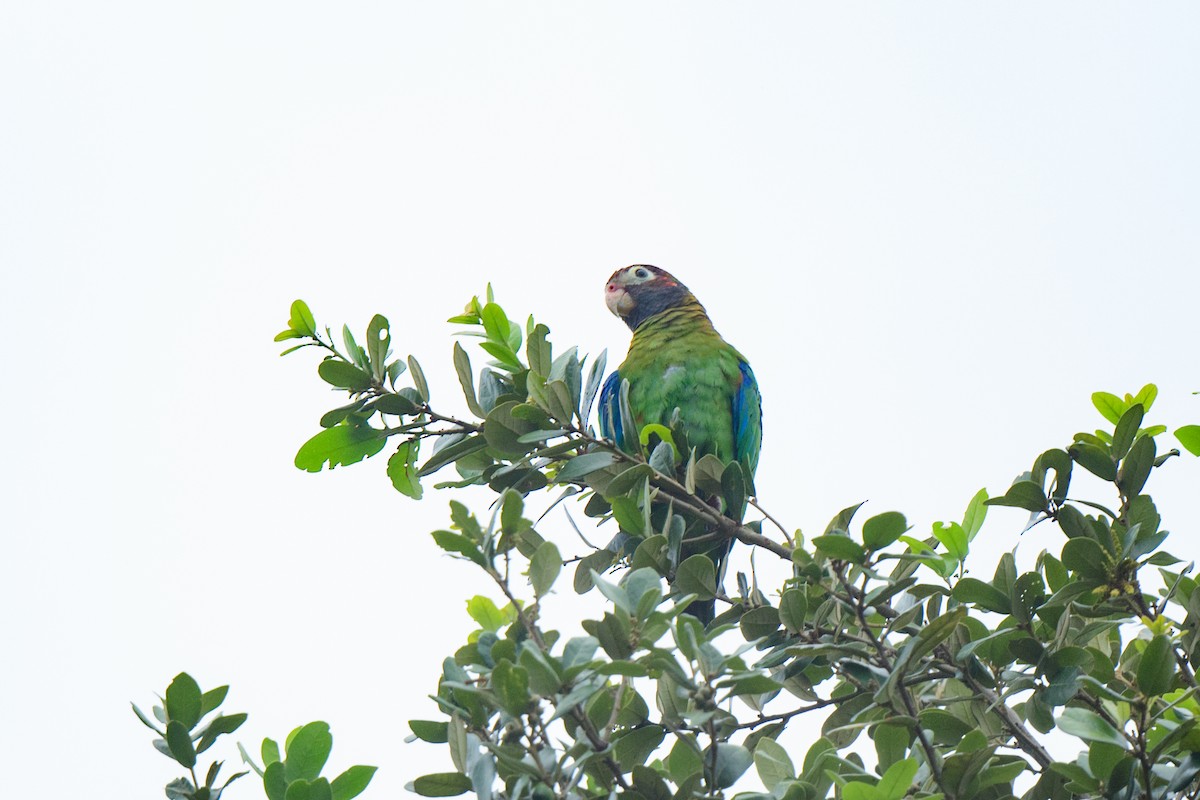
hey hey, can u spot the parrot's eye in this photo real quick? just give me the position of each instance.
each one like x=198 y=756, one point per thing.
x=641 y=273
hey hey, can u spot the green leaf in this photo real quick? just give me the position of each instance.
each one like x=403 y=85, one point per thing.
x=697 y=575
x=184 y=702
x=773 y=763
x=684 y=760
x=976 y=513
x=339 y=445
x=402 y=403
x=379 y=339
x=1110 y=406
x=614 y=592
x=269 y=752
x=759 y=622
x=418 y=376
x=308 y=751
x=892 y=741
x=733 y=490
x=1028 y=594
x=352 y=782
x=462 y=365
x=585 y=464
x=511 y=685
x=1094 y=459
x=484 y=612
x=483 y=775
x=1022 y=494
x=441 y=784
x=984 y=595
x=402 y=469
x=538 y=350
x=1135 y=469
x=1156 y=672
x=180 y=743
x=1087 y=558
x=211 y=699
x=495 y=323
x=343 y=375
x=793 y=608
x=1126 y=430
x=275 y=781
x=220 y=726
x=1090 y=726
x=301 y=320
x=180 y=789
x=598 y=561
x=841 y=548
x=451 y=451
x=544 y=568
x=146 y=720
x=883 y=529
x=952 y=537
x=629 y=516
x=1146 y=396
x=634 y=748
x=542 y=678
x=428 y=731
x=503 y=430
x=1189 y=437
x=895 y=782
x=841 y=522
x=626 y=480
x=937 y=631
x=394 y=371
x=504 y=355
x=355 y=353
x=732 y=761
x=453 y=542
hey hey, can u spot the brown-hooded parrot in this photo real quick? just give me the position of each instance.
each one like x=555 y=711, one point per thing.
x=678 y=361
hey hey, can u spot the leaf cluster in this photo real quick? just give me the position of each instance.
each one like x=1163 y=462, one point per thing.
x=187 y=722
x=926 y=680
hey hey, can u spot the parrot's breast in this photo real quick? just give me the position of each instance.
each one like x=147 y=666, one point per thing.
x=700 y=378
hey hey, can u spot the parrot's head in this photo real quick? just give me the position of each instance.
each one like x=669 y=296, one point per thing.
x=639 y=292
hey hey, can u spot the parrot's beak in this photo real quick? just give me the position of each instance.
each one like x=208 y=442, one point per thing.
x=619 y=301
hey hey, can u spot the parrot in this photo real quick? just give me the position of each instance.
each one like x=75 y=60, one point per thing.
x=679 y=368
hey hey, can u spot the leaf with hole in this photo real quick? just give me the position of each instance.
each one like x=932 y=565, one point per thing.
x=402 y=469
x=340 y=445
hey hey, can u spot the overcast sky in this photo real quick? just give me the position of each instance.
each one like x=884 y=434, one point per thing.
x=934 y=230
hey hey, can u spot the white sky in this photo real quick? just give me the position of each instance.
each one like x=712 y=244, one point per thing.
x=933 y=229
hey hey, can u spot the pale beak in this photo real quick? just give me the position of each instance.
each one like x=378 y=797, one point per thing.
x=618 y=300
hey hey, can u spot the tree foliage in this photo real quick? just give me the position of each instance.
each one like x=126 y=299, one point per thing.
x=185 y=730
x=927 y=682
x=906 y=676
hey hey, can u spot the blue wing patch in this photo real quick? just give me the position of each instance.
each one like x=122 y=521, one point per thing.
x=609 y=410
x=747 y=419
